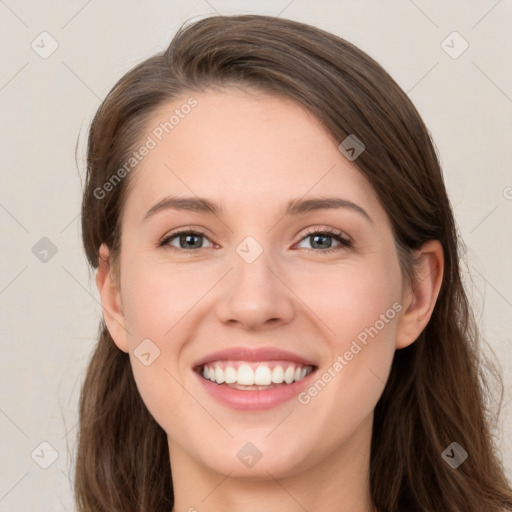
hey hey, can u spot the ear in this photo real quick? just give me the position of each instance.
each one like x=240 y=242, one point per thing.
x=418 y=300
x=111 y=300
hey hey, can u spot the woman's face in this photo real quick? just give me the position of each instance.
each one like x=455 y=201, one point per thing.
x=263 y=289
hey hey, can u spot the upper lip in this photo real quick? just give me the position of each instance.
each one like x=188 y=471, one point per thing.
x=254 y=355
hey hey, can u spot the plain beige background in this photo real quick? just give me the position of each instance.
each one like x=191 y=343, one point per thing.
x=49 y=303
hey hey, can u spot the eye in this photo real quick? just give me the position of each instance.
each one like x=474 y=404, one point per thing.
x=186 y=239
x=190 y=239
x=324 y=237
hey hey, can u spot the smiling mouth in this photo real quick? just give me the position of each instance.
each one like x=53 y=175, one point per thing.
x=254 y=376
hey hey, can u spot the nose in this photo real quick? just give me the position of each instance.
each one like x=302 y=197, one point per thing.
x=256 y=295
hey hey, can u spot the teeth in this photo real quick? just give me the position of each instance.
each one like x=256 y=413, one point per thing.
x=230 y=375
x=289 y=374
x=255 y=374
x=219 y=375
x=278 y=375
x=263 y=376
x=245 y=375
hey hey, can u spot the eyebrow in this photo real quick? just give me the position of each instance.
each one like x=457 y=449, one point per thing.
x=294 y=207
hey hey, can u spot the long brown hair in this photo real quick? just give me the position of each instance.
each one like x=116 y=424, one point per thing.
x=438 y=389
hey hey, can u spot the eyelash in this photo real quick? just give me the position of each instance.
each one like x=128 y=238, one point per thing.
x=331 y=233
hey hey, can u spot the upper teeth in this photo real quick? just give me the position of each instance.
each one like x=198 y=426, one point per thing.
x=259 y=374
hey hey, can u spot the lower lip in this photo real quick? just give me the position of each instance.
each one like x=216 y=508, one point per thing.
x=254 y=399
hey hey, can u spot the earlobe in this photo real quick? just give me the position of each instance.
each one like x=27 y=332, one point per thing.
x=111 y=300
x=420 y=299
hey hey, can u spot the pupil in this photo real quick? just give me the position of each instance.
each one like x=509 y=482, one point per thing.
x=315 y=237
x=187 y=240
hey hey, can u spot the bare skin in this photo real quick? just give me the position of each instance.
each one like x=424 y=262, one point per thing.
x=252 y=154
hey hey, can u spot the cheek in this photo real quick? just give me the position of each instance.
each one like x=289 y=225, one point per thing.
x=155 y=304
x=154 y=301
x=350 y=298
x=368 y=327
x=362 y=310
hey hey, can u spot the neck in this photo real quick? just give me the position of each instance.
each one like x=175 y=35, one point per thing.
x=337 y=483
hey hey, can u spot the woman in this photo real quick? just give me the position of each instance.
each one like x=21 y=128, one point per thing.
x=241 y=364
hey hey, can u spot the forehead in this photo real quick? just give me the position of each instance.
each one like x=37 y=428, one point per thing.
x=246 y=149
